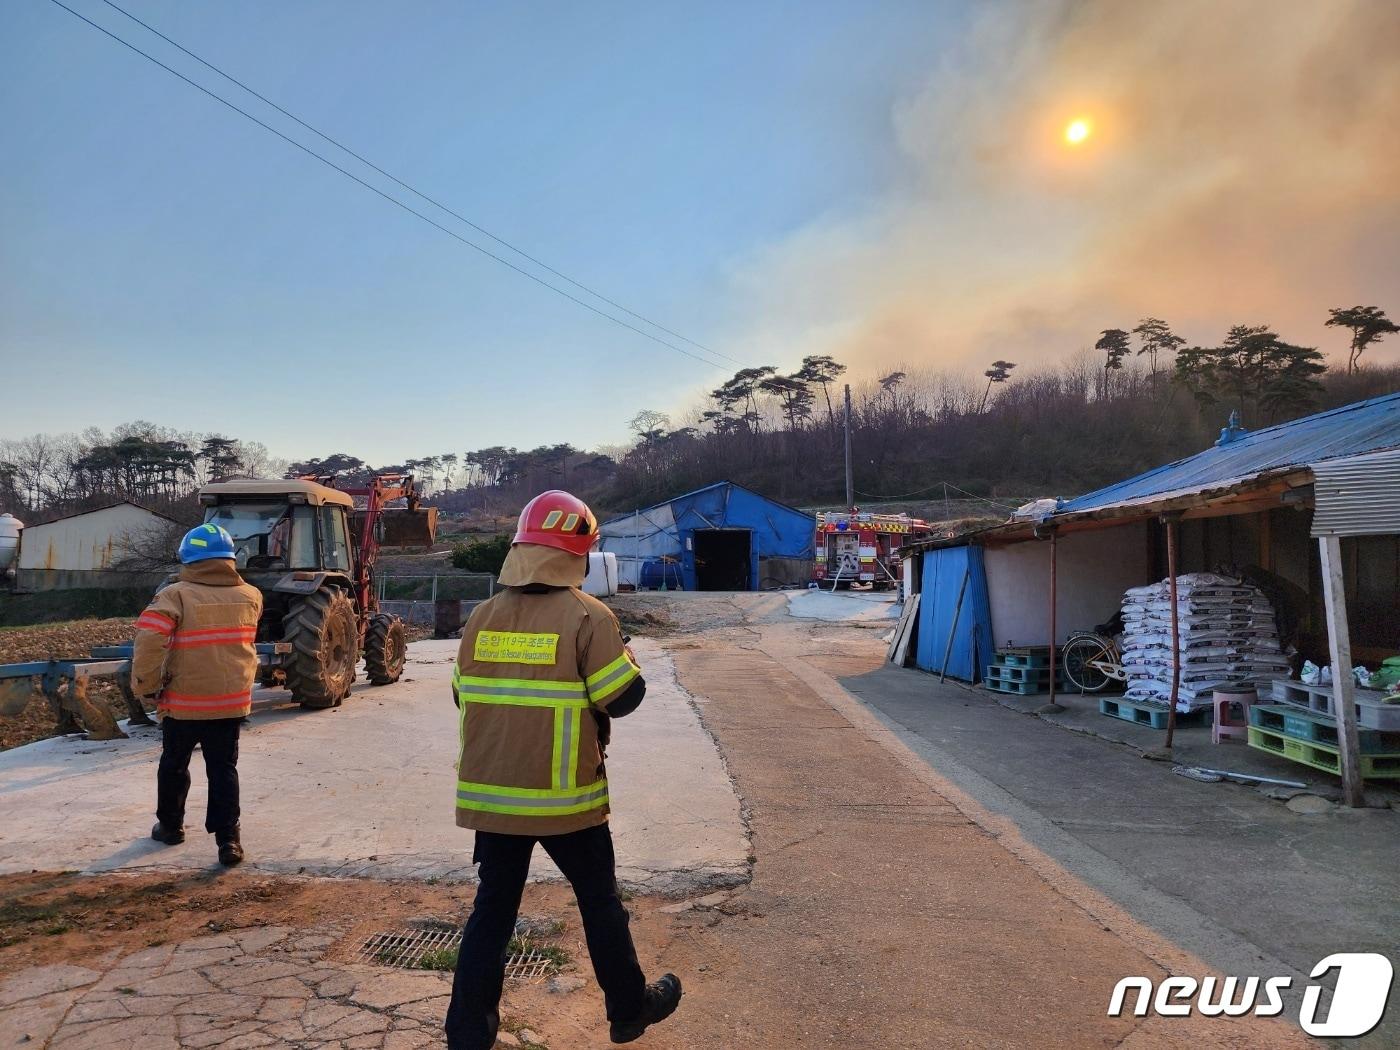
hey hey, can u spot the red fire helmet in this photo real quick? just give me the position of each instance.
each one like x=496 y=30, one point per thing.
x=558 y=519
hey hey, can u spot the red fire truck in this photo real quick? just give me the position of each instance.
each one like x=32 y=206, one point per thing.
x=857 y=547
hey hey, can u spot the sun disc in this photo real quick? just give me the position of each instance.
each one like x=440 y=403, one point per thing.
x=1077 y=131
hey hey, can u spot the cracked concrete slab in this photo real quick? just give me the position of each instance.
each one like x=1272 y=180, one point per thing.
x=76 y=1008
x=365 y=790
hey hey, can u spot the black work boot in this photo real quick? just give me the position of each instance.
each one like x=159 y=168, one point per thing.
x=230 y=848
x=170 y=836
x=660 y=1002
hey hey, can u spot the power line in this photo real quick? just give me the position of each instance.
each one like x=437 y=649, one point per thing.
x=376 y=190
x=416 y=192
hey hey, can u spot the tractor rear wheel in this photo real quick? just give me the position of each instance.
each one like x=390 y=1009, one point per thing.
x=386 y=646
x=324 y=636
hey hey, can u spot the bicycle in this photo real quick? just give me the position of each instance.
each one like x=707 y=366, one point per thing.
x=1092 y=660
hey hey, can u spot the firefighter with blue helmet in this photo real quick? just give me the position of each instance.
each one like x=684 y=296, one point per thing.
x=195 y=655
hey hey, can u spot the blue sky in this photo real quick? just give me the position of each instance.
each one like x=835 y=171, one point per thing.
x=887 y=182
x=165 y=259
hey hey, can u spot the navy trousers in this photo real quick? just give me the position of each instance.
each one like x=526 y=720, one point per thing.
x=586 y=859
x=217 y=738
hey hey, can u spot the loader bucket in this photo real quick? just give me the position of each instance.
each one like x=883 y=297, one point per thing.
x=407 y=528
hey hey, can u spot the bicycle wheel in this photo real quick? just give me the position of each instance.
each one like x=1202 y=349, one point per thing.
x=1077 y=658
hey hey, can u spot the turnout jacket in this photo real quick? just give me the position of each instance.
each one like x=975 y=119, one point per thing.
x=194 y=644
x=536 y=671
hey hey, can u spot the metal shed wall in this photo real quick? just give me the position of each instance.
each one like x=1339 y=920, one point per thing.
x=79 y=551
x=1357 y=496
x=963 y=635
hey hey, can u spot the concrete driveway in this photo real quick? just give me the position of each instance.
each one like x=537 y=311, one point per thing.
x=366 y=790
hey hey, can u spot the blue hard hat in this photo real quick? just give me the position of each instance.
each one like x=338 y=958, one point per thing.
x=204 y=542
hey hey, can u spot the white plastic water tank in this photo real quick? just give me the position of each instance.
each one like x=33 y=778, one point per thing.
x=601 y=581
x=10 y=528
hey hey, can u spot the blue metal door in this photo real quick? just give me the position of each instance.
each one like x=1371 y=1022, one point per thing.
x=958 y=631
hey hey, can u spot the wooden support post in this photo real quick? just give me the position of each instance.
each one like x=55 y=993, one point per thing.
x=1051 y=706
x=1054 y=603
x=1176 y=631
x=1343 y=687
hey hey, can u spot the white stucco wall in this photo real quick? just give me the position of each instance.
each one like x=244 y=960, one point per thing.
x=1094 y=569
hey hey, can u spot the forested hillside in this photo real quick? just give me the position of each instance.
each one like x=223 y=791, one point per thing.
x=1137 y=400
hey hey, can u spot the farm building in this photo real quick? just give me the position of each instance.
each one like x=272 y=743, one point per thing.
x=1307 y=512
x=1246 y=503
x=85 y=549
x=719 y=538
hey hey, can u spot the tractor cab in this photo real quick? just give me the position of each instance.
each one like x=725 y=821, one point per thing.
x=283 y=526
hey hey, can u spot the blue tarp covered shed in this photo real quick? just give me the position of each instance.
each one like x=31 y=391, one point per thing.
x=723 y=537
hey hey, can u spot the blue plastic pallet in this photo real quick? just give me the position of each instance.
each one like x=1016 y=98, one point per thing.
x=1314 y=727
x=1008 y=673
x=1154 y=715
x=1031 y=656
x=1017 y=688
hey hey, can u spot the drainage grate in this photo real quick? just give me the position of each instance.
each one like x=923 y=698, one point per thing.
x=529 y=965
x=407 y=949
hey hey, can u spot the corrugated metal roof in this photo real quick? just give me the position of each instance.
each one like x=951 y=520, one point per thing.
x=1366 y=426
x=1358 y=496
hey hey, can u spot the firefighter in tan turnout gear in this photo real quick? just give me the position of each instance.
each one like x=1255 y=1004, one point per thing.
x=541 y=672
x=195 y=655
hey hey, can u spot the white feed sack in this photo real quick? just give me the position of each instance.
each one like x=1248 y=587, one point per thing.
x=1227 y=634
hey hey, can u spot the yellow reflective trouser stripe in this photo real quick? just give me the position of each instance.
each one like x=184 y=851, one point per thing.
x=531 y=802
x=612 y=677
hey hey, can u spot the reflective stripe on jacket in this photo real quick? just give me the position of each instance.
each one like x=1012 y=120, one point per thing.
x=195 y=644
x=531 y=671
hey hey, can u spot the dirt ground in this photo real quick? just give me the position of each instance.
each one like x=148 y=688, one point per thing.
x=883 y=910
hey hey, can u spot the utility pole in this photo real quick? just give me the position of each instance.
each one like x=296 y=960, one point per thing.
x=850 y=484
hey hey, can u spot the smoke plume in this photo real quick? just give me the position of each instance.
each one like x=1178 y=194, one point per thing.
x=1244 y=167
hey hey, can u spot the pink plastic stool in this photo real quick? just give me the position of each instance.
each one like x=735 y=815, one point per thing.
x=1226 y=700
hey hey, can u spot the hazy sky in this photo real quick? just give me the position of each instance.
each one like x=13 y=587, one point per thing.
x=887 y=182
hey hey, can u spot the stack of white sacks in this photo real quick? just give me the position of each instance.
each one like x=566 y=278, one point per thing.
x=1227 y=633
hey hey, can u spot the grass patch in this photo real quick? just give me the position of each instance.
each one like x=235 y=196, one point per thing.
x=557 y=956
x=443 y=959
x=17 y=912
